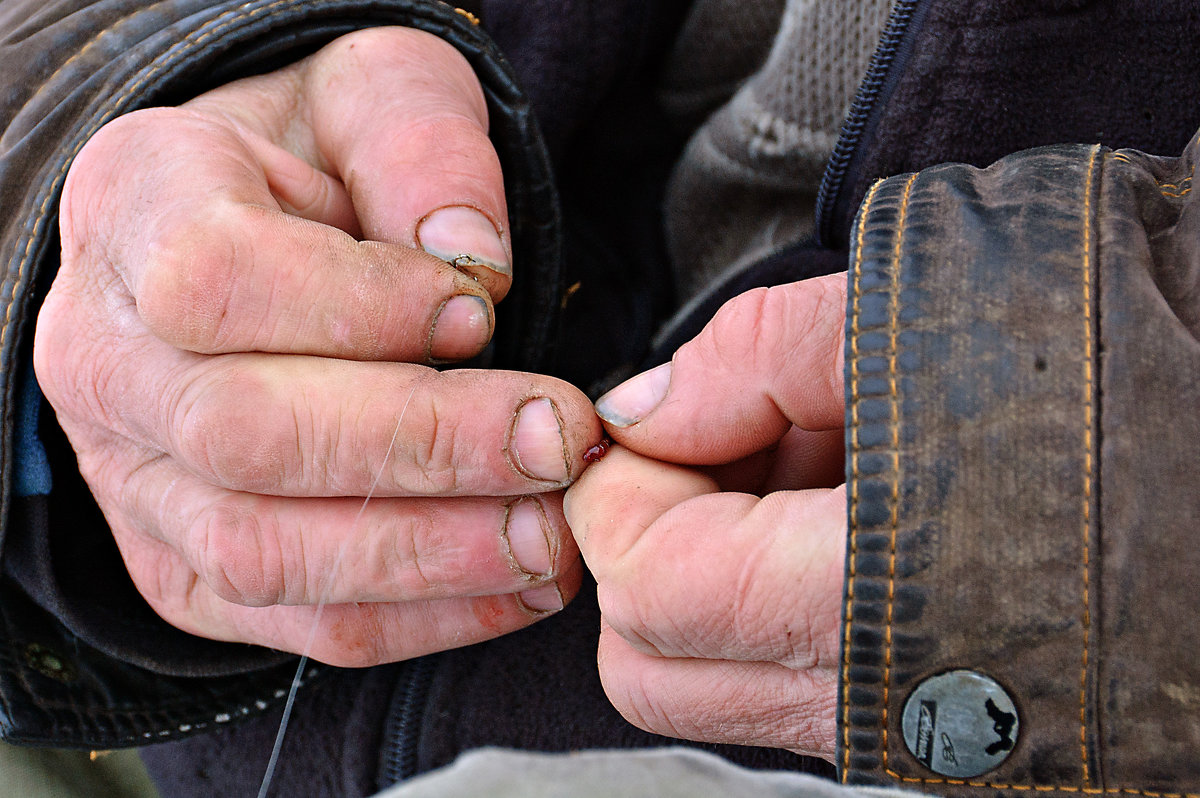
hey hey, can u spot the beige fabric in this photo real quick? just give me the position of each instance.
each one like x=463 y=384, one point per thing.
x=747 y=183
x=54 y=773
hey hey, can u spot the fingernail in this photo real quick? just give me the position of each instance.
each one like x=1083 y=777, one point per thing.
x=536 y=447
x=542 y=599
x=528 y=543
x=465 y=237
x=461 y=328
x=634 y=399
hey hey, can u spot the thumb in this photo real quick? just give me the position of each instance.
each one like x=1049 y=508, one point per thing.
x=770 y=359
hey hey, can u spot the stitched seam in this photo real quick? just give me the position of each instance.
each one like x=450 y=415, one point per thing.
x=854 y=479
x=1046 y=788
x=1171 y=190
x=1089 y=460
x=462 y=12
x=1088 y=291
x=894 y=413
x=90 y=43
x=1086 y=554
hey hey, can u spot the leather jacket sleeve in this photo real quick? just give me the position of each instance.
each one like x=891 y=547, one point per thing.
x=83 y=661
x=1022 y=378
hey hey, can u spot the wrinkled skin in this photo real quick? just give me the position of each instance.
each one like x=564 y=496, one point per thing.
x=716 y=543
x=234 y=345
x=237 y=344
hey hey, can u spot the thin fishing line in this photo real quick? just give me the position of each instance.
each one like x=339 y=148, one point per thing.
x=312 y=631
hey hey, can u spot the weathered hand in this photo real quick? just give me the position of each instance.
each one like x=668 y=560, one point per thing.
x=232 y=345
x=721 y=609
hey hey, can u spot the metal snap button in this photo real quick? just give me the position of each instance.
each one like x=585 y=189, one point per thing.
x=49 y=662
x=960 y=724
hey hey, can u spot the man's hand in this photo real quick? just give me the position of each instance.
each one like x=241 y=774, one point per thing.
x=721 y=609
x=248 y=283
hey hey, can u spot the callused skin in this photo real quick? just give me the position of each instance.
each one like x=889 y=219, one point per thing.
x=714 y=533
x=251 y=286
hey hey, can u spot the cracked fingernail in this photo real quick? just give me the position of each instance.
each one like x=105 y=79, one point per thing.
x=547 y=598
x=528 y=542
x=537 y=447
x=464 y=237
x=636 y=398
x=462 y=327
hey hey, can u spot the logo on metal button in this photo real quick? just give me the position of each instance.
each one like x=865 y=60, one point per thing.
x=960 y=724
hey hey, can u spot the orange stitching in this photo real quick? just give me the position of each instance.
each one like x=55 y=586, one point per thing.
x=1176 y=190
x=92 y=42
x=857 y=294
x=1086 y=553
x=462 y=12
x=893 y=398
x=1088 y=444
x=1088 y=454
x=1045 y=788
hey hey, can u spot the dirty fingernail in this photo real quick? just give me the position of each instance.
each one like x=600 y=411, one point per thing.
x=461 y=328
x=537 y=448
x=542 y=599
x=525 y=530
x=634 y=399
x=465 y=237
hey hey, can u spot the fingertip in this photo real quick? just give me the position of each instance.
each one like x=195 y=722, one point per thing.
x=631 y=401
x=462 y=326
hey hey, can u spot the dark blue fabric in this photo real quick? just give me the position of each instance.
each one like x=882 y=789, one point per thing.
x=32 y=467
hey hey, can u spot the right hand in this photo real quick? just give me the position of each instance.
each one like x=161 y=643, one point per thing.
x=232 y=345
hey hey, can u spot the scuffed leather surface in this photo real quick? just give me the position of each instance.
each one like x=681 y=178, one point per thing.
x=68 y=70
x=1022 y=449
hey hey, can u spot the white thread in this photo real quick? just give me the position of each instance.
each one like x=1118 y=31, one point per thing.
x=312 y=631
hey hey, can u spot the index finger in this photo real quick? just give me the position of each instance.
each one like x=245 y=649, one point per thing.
x=771 y=358
x=303 y=426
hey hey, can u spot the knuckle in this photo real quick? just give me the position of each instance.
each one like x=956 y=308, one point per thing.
x=158 y=572
x=80 y=375
x=110 y=151
x=413 y=553
x=185 y=290
x=56 y=367
x=636 y=695
x=238 y=556
x=226 y=431
x=631 y=615
x=408 y=48
x=797 y=323
x=433 y=465
x=734 y=336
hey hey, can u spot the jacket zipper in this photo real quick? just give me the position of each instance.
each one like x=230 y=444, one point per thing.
x=883 y=73
x=402 y=733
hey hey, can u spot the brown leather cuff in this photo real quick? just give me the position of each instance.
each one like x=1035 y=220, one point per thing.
x=1022 y=373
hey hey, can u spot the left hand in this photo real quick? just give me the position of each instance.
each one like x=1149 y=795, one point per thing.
x=715 y=539
x=238 y=343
